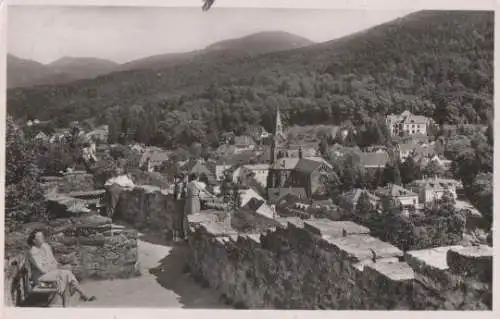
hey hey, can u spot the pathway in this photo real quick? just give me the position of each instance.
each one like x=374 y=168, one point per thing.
x=163 y=284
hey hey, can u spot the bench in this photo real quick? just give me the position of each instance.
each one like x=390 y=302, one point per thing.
x=27 y=293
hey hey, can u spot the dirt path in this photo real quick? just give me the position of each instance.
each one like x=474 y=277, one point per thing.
x=163 y=283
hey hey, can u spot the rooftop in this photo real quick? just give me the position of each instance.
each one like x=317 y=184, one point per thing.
x=374 y=159
x=435 y=183
x=394 y=190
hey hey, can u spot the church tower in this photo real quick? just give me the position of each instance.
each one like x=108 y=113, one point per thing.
x=278 y=138
x=275 y=178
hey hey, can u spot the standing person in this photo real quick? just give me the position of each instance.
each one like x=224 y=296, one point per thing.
x=193 y=204
x=179 y=198
x=46 y=268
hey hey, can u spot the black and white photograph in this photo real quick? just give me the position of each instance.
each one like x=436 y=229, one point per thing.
x=218 y=157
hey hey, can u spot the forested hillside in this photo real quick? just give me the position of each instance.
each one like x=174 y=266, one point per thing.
x=438 y=64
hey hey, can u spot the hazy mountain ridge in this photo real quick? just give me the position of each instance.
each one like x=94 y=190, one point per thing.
x=69 y=69
x=26 y=73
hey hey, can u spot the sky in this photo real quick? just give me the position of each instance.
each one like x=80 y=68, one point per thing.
x=122 y=34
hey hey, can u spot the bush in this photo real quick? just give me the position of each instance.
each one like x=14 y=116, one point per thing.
x=24 y=199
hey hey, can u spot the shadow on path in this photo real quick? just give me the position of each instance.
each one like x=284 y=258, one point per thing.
x=173 y=274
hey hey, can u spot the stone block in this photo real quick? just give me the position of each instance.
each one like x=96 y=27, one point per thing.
x=294 y=222
x=325 y=227
x=431 y=267
x=92 y=220
x=393 y=271
x=360 y=247
x=472 y=261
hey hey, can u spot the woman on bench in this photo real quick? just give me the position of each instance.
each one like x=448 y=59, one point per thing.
x=46 y=268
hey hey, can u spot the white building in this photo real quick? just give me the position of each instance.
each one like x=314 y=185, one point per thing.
x=407 y=124
x=433 y=189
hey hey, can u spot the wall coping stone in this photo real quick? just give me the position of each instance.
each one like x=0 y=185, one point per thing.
x=395 y=271
x=432 y=257
x=334 y=228
x=358 y=247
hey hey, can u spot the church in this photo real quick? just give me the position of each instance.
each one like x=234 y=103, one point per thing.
x=292 y=173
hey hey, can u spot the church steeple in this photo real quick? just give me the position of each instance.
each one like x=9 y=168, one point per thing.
x=278 y=136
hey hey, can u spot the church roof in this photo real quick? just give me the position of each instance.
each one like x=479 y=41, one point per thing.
x=307 y=166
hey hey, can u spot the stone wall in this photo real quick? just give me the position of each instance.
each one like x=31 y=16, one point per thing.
x=77 y=181
x=147 y=208
x=90 y=246
x=323 y=264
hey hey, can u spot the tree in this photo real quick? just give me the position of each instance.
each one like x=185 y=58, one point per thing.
x=433 y=169
x=410 y=171
x=24 y=199
x=364 y=206
x=392 y=174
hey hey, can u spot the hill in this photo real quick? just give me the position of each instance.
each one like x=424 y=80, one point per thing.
x=24 y=72
x=27 y=73
x=82 y=68
x=248 y=46
x=263 y=42
x=436 y=63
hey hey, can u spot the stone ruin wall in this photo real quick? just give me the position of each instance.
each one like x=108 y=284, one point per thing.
x=89 y=246
x=147 y=208
x=323 y=264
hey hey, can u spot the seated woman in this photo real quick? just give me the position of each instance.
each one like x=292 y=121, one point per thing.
x=46 y=268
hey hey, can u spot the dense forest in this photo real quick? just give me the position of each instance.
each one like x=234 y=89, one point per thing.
x=438 y=64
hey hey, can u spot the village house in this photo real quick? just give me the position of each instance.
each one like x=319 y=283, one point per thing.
x=412 y=148
x=432 y=189
x=407 y=124
x=398 y=194
x=374 y=160
x=153 y=158
x=99 y=134
x=258 y=133
x=226 y=138
x=259 y=172
x=231 y=162
x=244 y=143
x=439 y=160
x=202 y=169
x=41 y=136
x=251 y=200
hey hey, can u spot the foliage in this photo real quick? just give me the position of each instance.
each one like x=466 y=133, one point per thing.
x=433 y=169
x=438 y=225
x=54 y=158
x=392 y=174
x=429 y=62
x=24 y=199
x=410 y=171
x=480 y=193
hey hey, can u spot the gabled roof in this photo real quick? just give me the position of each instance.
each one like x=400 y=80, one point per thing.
x=237 y=159
x=244 y=140
x=435 y=183
x=408 y=118
x=287 y=163
x=319 y=159
x=307 y=166
x=393 y=190
x=374 y=159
